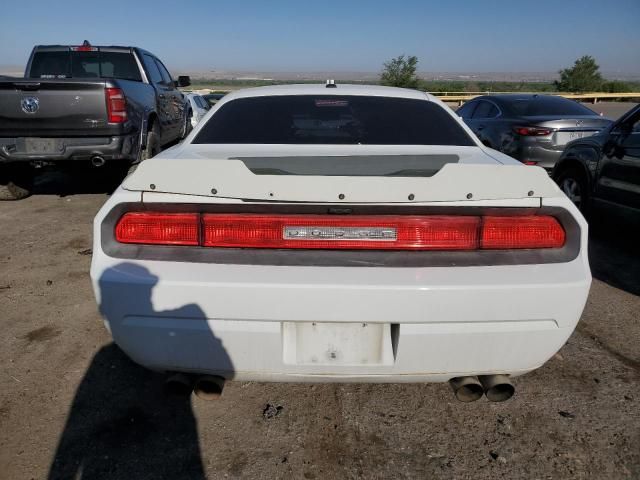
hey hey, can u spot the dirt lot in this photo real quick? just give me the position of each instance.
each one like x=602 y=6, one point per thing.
x=73 y=406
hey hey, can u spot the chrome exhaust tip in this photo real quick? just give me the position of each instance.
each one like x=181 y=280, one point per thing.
x=466 y=389
x=497 y=388
x=209 y=387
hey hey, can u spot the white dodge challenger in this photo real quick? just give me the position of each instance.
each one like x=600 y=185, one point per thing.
x=339 y=233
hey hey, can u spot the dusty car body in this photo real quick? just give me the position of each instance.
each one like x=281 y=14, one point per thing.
x=335 y=259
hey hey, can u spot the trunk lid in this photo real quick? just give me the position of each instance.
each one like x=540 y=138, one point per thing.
x=571 y=128
x=48 y=107
x=475 y=176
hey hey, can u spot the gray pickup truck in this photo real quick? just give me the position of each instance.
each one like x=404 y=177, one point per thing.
x=86 y=105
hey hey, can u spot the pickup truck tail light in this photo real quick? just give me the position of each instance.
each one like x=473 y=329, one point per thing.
x=331 y=232
x=116 y=105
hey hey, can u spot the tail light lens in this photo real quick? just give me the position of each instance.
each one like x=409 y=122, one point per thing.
x=532 y=131
x=116 y=105
x=521 y=232
x=331 y=232
x=159 y=228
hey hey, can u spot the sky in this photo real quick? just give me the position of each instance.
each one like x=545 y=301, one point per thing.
x=344 y=35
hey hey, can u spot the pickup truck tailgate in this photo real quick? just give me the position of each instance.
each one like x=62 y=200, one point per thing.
x=45 y=107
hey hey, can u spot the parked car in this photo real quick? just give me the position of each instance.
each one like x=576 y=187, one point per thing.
x=344 y=233
x=86 y=105
x=604 y=170
x=531 y=128
x=199 y=106
x=213 y=98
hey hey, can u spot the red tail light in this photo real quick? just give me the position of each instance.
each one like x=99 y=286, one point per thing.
x=116 y=105
x=532 y=131
x=159 y=228
x=363 y=232
x=521 y=232
x=84 y=48
x=331 y=232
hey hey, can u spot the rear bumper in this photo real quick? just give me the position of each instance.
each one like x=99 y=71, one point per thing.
x=119 y=147
x=249 y=322
x=544 y=157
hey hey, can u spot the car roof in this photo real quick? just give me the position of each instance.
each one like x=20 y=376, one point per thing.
x=49 y=48
x=321 y=89
x=509 y=97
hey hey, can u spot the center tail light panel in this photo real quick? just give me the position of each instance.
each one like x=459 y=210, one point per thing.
x=431 y=237
x=350 y=232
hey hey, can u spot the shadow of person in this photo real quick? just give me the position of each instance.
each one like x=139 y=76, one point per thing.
x=122 y=424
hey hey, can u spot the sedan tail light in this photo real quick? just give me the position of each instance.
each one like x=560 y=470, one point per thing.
x=331 y=232
x=116 y=105
x=532 y=131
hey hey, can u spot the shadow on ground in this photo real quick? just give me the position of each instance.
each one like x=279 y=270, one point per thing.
x=81 y=181
x=614 y=254
x=122 y=424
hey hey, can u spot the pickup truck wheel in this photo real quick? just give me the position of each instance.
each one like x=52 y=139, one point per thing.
x=574 y=185
x=188 y=126
x=16 y=181
x=151 y=150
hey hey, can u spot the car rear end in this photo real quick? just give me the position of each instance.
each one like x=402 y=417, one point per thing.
x=385 y=263
x=545 y=124
x=70 y=107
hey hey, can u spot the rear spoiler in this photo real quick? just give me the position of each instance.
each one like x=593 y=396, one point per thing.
x=232 y=179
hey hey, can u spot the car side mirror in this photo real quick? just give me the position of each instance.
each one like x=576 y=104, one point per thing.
x=613 y=146
x=183 y=81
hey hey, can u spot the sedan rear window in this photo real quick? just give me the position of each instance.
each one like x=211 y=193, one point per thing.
x=547 y=105
x=328 y=119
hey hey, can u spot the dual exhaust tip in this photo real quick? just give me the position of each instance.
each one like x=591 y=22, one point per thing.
x=497 y=388
x=206 y=387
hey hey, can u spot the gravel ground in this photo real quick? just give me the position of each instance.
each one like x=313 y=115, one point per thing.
x=73 y=406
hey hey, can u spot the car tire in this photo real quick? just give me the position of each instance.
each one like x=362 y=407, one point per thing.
x=573 y=183
x=188 y=126
x=152 y=148
x=16 y=181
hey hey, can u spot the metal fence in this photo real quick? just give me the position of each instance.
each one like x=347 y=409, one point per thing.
x=461 y=97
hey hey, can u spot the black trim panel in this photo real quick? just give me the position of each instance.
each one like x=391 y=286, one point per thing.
x=339 y=258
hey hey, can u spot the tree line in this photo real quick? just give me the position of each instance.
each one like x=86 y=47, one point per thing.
x=583 y=76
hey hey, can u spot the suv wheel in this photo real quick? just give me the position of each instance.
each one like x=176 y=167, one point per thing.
x=16 y=181
x=574 y=185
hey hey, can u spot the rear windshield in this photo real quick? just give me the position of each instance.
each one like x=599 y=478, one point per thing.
x=309 y=119
x=541 y=106
x=93 y=64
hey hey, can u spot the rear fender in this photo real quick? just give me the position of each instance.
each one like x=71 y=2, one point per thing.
x=583 y=158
